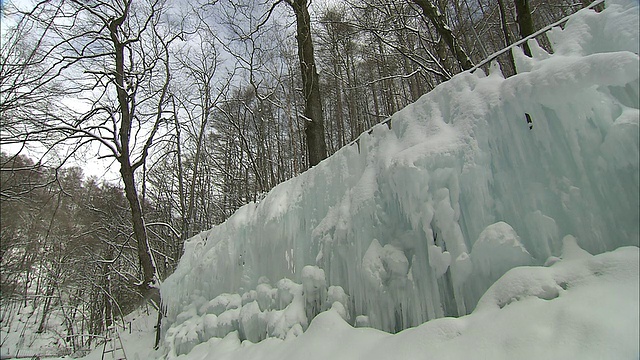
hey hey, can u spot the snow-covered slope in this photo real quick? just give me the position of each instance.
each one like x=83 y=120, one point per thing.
x=19 y=336
x=137 y=332
x=416 y=221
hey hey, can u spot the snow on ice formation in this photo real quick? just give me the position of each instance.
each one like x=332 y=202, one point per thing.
x=416 y=222
x=581 y=307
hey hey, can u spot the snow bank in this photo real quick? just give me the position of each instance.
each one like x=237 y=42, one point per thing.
x=582 y=307
x=137 y=335
x=416 y=221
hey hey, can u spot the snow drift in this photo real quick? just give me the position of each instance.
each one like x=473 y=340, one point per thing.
x=423 y=214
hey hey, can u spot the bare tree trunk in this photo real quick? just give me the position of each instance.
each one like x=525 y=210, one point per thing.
x=45 y=308
x=505 y=31
x=439 y=22
x=137 y=220
x=316 y=146
x=126 y=169
x=525 y=22
x=196 y=163
x=183 y=207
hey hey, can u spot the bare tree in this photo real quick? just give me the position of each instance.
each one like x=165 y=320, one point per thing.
x=114 y=57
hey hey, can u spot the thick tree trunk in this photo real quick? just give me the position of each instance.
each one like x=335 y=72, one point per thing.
x=440 y=23
x=525 y=22
x=314 y=130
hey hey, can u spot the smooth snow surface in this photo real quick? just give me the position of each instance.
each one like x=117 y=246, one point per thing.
x=416 y=222
x=137 y=333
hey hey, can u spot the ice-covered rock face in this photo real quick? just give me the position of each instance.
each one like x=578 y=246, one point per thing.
x=417 y=220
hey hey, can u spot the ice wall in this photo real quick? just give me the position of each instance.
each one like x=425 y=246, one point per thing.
x=417 y=219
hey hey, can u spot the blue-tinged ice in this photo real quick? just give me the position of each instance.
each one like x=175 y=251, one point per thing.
x=416 y=222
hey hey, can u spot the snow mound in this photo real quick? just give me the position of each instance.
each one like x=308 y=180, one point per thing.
x=582 y=307
x=497 y=250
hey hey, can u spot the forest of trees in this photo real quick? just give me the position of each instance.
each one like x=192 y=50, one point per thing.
x=67 y=249
x=202 y=106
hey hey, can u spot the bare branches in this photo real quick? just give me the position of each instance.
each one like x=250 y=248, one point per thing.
x=267 y=16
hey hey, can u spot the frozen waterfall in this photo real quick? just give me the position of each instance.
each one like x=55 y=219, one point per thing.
x=418 y=219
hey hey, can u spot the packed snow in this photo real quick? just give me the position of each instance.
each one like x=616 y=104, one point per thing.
x=19 y=335
x=581 y=307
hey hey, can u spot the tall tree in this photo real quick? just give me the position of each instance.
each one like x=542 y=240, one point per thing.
x=126 y=102
x=317 y=148
x=525 y=22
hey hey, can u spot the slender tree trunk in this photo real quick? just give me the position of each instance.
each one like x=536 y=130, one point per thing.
x=108 y=307
x=126 y=169
x=440 y=23
x=156 y=343
x=525 y=22
x=316 y=146
x=196 y=163
x=183 y=206
x=505 y=31
x=45 y=308
x=339 y=106
x=28 y=281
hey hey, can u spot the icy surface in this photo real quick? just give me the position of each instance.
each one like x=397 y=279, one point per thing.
x=417 y=221
x=582 y=307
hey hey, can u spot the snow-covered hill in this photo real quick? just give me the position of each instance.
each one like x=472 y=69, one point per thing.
x=420 y=217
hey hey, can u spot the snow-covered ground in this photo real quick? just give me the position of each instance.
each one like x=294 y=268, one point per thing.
x=579 y=307
x=455 y=209
x=18 y=332
x=137 y=332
